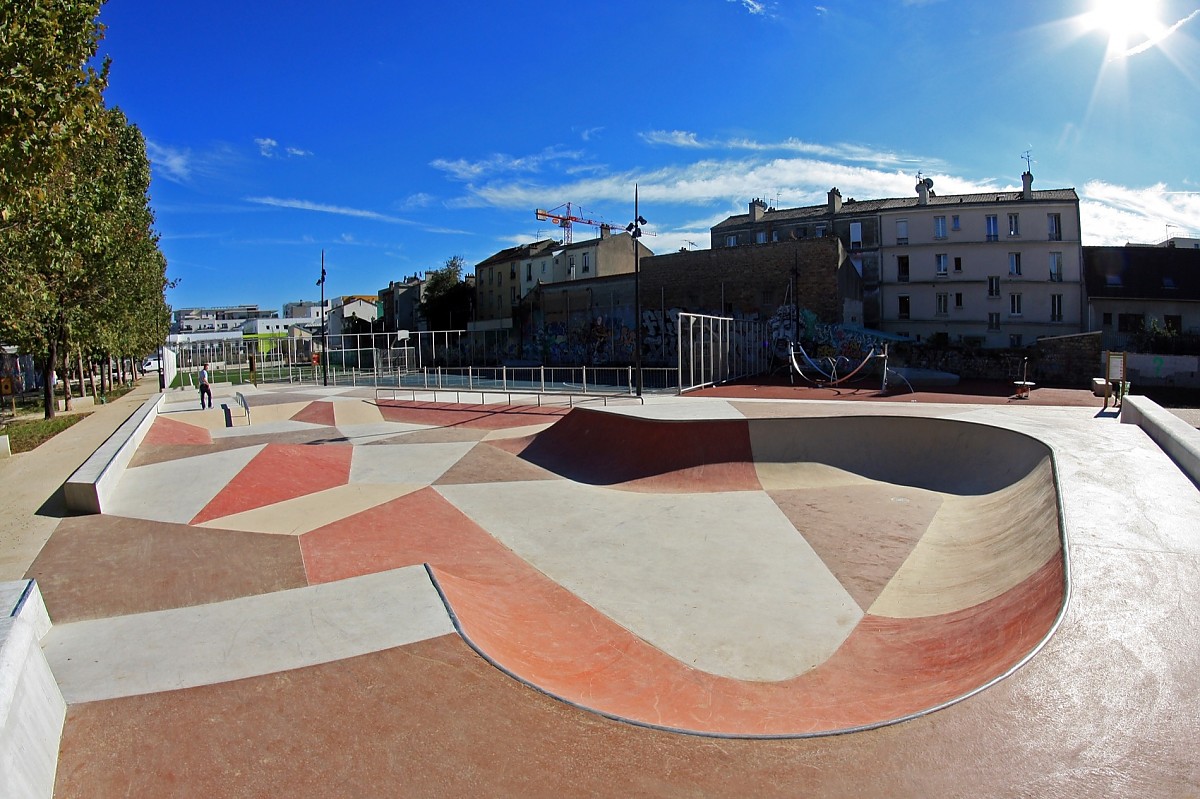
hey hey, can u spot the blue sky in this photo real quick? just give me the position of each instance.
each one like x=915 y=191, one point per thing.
x=394 y=135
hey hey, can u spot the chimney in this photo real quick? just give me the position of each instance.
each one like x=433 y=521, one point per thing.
x=835 y=200
x=757 y=209
x=1027 y=186
x=922 y=193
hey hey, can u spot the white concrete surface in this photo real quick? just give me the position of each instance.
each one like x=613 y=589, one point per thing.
x=184 y=647
x=1176 y=437
x=175 y=491
x=32 y=710
x=720 y=581
x=399 y=463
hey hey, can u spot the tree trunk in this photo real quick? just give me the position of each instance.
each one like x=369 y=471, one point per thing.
x=91 y=378
x=67 y=405
x=48 y=380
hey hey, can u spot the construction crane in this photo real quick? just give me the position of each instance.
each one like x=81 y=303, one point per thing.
x=567 y=220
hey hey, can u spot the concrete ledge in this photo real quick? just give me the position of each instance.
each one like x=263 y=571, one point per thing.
x=89 y=488
x=1176 y=437
x=5 y=448
x=77 y=403
x=32 y=709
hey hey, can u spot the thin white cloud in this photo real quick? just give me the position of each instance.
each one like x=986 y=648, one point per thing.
x=1115 y=214
x=500 y=163
x=844 y=151
x=339 y=210
x=1157 y=39
x=269 y=148
x=755 y=7
x=418 y=200
x=172 y=163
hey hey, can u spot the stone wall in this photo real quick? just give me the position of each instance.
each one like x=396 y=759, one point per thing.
x=1062 y=361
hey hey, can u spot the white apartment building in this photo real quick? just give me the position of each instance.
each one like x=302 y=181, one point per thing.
x=997 y=269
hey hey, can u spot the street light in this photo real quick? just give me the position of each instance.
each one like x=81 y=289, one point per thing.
x=324 y=327
x=634 y=229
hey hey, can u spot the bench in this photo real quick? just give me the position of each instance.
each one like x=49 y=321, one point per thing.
x=1023 y=387
x=88 y=489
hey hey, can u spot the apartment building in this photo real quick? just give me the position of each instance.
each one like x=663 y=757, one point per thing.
x=995 y=269
x=506 y=278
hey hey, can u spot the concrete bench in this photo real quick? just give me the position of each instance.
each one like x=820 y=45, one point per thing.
x=89 y=487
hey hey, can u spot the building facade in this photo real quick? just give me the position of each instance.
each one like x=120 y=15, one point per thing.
x=1133 y=290
x=995 y=270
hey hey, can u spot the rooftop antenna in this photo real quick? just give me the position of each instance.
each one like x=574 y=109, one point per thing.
x=692 y=243
x=1028 y=156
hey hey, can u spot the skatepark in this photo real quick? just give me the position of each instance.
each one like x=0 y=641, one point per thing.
x=355 y=595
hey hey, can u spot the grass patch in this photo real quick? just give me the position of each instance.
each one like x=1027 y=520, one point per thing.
x=27 y=434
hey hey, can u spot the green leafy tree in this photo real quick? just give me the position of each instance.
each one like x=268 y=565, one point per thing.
x=79 y=257
x=447 y=301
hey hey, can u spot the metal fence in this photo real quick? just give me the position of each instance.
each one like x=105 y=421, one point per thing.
x=711 y=350
x=718 y=349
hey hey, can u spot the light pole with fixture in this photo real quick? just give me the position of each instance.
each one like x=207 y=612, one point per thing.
x=324 y=327
x=634 y=229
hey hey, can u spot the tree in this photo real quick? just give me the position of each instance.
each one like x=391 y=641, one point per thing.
x=79 y=261
x=448 y=300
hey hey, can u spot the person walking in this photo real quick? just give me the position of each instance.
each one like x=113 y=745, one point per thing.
x=205 y=391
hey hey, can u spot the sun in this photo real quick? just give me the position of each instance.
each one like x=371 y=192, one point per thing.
x=1128 y=23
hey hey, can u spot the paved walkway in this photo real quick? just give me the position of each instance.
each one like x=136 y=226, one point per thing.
x=228 y=632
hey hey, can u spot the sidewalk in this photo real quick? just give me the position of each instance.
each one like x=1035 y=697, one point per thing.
x=31 y=502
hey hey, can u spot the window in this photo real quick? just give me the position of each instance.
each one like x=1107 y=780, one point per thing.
x=994 y=286
x=954 y=222
x=958 y=299
x=902 y=269
x=939 y=227
x=1054 y=227
x=760 y=237
x=856 y=235
x=1173 y=323
x=529 y=271
x=902 y=231
x=902 y=306
x=1056 y=307
x=586 y=266
x=994 y=320
x=1056 y=267
x=820 y=231
x=942 y=263
x=1014 y=264
x=1014 y=224
x=942 y=303
x=731 y=240
x=958 y=263
x=1014 y=304
x=543 y=267
x=1107 y=320
x=993 y=228
x=1014 y=340
x=1129 y=322
x=571 y=265
x=512 y=295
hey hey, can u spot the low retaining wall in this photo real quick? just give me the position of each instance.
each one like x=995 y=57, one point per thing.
x=1176 y=437
x=32 y=709
x=88 y=489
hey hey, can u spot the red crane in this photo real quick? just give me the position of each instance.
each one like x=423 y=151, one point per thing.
x=566 y=220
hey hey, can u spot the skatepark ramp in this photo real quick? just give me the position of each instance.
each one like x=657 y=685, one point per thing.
x=821 y=575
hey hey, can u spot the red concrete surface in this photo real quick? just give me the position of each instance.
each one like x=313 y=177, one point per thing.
x=165 y=431
x=316 y=413
x=280 y=472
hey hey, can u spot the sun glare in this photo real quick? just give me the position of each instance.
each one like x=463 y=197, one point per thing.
x=1127 y=23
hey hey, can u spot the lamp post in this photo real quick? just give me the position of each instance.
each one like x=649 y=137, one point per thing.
x=324 y=327
x=634 y=229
